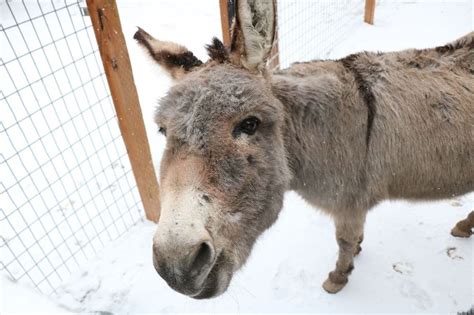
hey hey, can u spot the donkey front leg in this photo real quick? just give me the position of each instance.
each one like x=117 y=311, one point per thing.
x=464 y=227
x=358 y=248
x=349 y=235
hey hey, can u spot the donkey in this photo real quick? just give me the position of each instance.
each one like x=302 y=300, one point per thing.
x=344 y=134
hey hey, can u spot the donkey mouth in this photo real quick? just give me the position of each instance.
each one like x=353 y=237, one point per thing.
x=216 y=282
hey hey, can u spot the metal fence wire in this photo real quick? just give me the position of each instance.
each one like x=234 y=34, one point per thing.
x=66 y=183
x=311 y=29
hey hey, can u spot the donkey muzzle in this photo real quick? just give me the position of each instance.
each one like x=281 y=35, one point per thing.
x=185 y=268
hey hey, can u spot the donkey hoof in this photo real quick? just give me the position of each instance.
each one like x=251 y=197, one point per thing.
x=332 y=287
x=457 y=232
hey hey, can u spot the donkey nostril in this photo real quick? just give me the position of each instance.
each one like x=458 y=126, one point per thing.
x=202 y=258
x=206 y=198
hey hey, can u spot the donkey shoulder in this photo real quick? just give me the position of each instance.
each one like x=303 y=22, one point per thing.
x=457 y=56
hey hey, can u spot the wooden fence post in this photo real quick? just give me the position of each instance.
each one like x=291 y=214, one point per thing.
x=369 y=11
x=114 y=53
x=227 y=14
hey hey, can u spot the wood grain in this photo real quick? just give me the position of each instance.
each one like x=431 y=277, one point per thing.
x=225 y=25
x=113 y=50
x=369 y=11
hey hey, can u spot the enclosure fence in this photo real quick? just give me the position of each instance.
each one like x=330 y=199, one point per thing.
x=309 y=29
x=66 y=186
x=66 y=183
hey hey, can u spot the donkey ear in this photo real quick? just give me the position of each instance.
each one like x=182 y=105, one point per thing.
x=176 y=59
x=253 y=31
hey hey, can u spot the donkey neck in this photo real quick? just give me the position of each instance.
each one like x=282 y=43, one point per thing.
x=317 y=131
x=302 y=106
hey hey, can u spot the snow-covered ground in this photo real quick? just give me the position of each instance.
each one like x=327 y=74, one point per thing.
x=18 y=298
x=409 y=262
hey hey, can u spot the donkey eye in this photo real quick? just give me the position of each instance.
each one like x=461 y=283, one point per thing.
x=249 y=126
x=162 y=131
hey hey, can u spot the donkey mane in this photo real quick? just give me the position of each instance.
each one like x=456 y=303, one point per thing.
x=365 y=90
x=217 y=51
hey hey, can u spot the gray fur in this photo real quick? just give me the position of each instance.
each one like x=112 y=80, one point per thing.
x=344 y=134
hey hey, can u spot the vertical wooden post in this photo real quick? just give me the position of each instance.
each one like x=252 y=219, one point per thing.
x=369 y=11
x=227 y=11
x=113 y=50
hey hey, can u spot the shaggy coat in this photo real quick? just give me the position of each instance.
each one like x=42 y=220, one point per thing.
x=375 y=126
x=344 y=134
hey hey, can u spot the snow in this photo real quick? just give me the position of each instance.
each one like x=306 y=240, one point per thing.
x=66 y=186
x=409 y=261
x=23 y=299
x=411 y=24
x=405 y=266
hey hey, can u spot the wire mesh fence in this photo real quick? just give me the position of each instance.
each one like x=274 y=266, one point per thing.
x=311 y=29
x=66 y=186
x=66 y=183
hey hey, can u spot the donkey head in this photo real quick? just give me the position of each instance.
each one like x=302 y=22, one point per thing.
x=224 y=170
